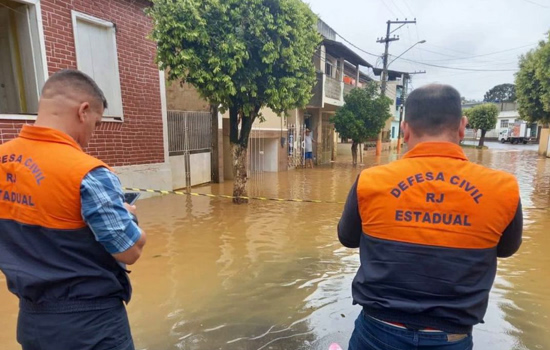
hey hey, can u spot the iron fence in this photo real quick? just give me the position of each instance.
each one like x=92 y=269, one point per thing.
x=295 y=137
x=191 y=131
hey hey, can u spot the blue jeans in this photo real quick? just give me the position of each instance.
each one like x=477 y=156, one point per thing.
x=371 y=334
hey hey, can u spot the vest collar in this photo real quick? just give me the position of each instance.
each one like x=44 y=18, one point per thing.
x=436 y=149
x=39 y=133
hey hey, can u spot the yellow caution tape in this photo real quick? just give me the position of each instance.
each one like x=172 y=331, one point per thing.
x=181 y=193
x=210 y=195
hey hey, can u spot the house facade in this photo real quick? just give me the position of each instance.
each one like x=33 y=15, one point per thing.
x=338 y=72
x=508 y=115
x=276 y=142
x=108 y=41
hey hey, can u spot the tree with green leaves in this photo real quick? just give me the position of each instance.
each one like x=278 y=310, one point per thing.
x=482 y=117
x=533 y=84
x=363 y=115
x=501 y=93
x=243 y=55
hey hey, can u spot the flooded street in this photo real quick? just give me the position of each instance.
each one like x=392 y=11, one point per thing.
x=273 y=275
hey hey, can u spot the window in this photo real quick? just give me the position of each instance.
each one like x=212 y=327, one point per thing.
x=96 y=55
x=22 y=59
x=393 y=132
x=504 y=123
x=328 y=69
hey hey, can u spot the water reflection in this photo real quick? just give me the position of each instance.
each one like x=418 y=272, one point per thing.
x=273 y=276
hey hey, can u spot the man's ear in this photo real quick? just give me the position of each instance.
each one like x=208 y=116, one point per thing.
x=462 y=129
x=406 y=131
x=83 y=109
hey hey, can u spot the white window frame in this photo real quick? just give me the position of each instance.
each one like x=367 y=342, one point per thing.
x=36 y=10
x=329 y=64
x=502 y=122
x=103 y=23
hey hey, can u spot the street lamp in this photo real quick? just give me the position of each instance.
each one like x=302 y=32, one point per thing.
x=407 y=50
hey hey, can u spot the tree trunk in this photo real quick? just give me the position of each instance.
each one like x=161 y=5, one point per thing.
x=482 y=138
x=239 y=148
x=215 y=155
x=239 y=153
x=354 y=152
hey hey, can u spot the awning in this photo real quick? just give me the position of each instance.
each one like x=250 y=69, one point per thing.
x=392 y=74
x=339 y=50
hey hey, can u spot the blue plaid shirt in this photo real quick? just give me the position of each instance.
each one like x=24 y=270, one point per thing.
x=104 y=212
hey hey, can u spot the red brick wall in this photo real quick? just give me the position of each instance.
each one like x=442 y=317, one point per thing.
x=139 y=139
x=9 y=129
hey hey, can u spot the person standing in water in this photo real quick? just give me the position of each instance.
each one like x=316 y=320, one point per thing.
x=429 y=228
x=309 y=140
x=66 y=233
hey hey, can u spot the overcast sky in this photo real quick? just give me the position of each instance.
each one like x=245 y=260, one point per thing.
x=495 y=31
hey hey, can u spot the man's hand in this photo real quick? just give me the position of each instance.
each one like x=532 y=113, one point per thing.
x=130 y=208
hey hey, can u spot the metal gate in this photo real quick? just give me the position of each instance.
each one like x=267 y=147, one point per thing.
x=256 y=152
x=296 y=147
x=327 y=143
x=189 y=133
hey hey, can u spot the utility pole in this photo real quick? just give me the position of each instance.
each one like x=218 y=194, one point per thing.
x=386 y=40
x=406 y=78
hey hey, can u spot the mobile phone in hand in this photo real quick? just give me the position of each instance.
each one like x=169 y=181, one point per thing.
x=131 y=197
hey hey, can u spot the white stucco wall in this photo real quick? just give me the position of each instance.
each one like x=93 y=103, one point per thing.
x=149 y=176
x=200 y=170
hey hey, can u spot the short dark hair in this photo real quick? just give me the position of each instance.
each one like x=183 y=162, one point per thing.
x=69 y=80
x=433 y=109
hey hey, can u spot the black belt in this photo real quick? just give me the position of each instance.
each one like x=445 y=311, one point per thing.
x=68 y=306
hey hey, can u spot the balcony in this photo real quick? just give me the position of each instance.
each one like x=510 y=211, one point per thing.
x=329 y=91
x=333 y=88
x=348 y=88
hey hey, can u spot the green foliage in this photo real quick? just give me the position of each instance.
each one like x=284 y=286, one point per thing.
x=246 y=54
x=483 y=117
x=364 y=114
x=533 y=84
x=501 y=93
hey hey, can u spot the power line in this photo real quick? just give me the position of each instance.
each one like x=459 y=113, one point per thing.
x=445 y=67
x=410 y=10
x=460 y=74
x=482 y=55
x=416 y=53
x=389 y=9
x=459 y=68
x=449 y=49
x=357 y=47
x=536 y=3
x=451 y=59
x=473 y=69
x=398 y=8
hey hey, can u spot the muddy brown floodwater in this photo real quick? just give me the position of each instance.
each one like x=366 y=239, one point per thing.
x=272 y=275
